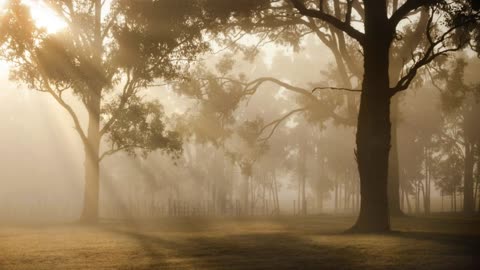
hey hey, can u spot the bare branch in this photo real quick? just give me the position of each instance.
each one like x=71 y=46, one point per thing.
x=319 y=14
x=277 y=122
x=252 y=86
x=336 y=88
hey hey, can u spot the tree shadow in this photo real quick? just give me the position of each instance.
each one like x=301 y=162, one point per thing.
x=296 y=250
x=242 y=251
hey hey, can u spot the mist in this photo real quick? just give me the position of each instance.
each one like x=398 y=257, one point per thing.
x=204 y=135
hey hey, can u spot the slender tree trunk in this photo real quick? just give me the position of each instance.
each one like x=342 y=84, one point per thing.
x=336 y=195
x=393 y=172
x=374 y=127
x=468 y=201
x=417 y=197
x=277 y=203
x=345 y=196
x=303 y=172
x=455 y=200
x=478 y=209
x=245 y=195
x=320 y=201
x=409 y=206
x=402 y=199
x=475 y=196
x=426 y=194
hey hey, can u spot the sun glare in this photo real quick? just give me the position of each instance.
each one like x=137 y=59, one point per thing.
x=44 y=16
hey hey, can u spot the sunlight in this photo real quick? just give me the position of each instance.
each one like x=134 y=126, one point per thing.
x=44 y=16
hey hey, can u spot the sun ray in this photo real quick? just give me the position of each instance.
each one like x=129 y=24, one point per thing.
x=44 y=16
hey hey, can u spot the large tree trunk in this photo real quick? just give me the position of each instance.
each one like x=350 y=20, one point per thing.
x=92 y=168
x=92 y=143
x=374 y=127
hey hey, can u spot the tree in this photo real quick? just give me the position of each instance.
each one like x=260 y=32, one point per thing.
x=104 y=58
x=374 y=126
x=449 y=26
x=380 y=25
x=460 y=136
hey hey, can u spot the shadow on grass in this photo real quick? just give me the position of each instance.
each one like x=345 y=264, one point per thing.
x=244 y=251
x=291 y=250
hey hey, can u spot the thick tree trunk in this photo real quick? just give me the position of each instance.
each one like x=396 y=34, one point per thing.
x=92 y=168
x=92 y=143
x=374 y=127
x=373 y=142
x=468 y=203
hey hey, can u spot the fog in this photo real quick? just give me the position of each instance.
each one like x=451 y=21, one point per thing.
x=211 y=134
x=42 y=166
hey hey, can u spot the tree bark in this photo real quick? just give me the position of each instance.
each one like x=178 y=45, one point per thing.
x=92 y=166
x=92 y=145
x=374 y=127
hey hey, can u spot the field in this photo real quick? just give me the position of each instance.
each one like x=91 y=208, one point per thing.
x=314 y=242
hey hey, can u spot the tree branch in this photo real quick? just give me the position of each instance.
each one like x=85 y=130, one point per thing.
x=406 y=8
x=68 y=108
x=319 y=14
x=127 y=92
x=252 y=86
x=431 y=53
x=276 y=123
x=336 y=88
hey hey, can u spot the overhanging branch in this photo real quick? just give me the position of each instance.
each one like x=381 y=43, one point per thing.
x=332 y=20
x=406 y=8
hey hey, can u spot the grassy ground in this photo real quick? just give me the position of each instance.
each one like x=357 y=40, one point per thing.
x=314 y=242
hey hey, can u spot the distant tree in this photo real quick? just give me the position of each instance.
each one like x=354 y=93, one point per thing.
x=460 y=136
x=105 y=57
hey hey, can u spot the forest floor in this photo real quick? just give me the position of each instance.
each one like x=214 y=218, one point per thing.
x=313 y=242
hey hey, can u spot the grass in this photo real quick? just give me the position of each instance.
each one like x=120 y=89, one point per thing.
x=313 y=242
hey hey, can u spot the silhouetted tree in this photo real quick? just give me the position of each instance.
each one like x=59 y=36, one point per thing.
x=459 y=20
